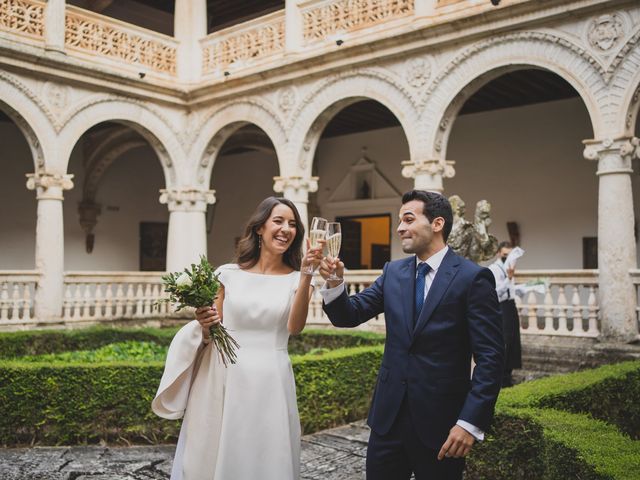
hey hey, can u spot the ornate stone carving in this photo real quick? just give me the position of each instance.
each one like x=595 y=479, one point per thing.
x=614 y=155
x=187 y=199
x=25 y=17
x=295 y=188
x=219 y=53
x=134 y=46
x=443 y=168
x=49 y=186
x=472 y=240
x=89 y=211
x=418 y=71
x=287 y=99
x=56 y=95
x=605 y=32
x=320 y=22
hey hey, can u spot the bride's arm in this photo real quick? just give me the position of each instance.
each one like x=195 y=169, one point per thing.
x=300 y=307
x=209 y=316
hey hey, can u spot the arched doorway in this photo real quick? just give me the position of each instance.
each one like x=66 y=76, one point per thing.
x=113 y=219
x=358 y=162
x=242 y=176
x=517 y=142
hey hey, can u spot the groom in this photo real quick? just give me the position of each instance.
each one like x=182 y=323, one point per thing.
x=440 y=311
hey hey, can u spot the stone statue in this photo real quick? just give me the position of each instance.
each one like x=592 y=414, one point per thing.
x=472 y=240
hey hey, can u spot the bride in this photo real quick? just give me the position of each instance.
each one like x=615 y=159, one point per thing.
x=241 y=422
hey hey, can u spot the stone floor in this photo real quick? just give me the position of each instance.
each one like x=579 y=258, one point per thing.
x=336 y=454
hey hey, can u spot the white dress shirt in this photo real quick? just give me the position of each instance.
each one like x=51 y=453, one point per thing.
x=434 y=261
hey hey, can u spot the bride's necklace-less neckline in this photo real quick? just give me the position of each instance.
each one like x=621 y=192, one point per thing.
x=267 y=273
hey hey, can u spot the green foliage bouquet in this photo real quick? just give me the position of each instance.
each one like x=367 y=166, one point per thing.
x=198 y=287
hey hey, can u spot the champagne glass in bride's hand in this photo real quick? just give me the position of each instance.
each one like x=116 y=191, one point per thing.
x=334 y=240
x=317 y=232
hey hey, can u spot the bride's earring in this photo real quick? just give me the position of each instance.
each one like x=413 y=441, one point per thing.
x=259 y=242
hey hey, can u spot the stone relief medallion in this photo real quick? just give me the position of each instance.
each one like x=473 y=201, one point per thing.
x=56 y=95
x=418 y=72
x=287 y=99
x=605 y=32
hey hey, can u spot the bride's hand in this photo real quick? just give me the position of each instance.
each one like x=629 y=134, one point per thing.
x=207 y=317
x=313 y=256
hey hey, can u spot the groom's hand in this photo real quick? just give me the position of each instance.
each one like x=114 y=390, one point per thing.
x=329 y=265
x=458 y=443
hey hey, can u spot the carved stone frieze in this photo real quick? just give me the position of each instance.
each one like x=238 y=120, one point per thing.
x=418 y=72
x=56 y=95
x=49 y=186
x=287 y=99
x=605 y=32
x=187 y=199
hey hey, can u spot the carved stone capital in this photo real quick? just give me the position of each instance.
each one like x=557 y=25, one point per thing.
x=187 y=199
x=614 y=155
x=295 y=188
x=442 y=168
x=49 y=186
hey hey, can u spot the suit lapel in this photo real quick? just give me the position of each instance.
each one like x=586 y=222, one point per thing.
x=407 y=279
x=444 y=275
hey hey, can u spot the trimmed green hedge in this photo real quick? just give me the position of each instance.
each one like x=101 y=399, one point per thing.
x=535 y=435
x=53 y=404
x=39 y=342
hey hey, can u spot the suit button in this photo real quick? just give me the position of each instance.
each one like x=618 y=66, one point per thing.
x=404 y=382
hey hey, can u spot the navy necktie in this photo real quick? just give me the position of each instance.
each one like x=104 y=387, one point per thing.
x=423 y=269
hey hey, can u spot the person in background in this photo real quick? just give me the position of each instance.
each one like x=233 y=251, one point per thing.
x=503 y=274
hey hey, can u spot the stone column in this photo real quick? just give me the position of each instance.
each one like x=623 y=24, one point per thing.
x=297 y=190
x=49 y=243
x=54 y=25
x=189 y=26
x=187 y=236
x=616 y=242
x=428 y=174
x=293 y=27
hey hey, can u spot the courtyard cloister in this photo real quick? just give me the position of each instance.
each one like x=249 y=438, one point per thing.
x=194 y=129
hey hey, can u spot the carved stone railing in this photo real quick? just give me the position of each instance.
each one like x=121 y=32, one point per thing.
x=245 y=44
x=322 y=19
x=23 y=17
x=107 y=296
x=102 y=37
x=569 y=306
x=17 y=291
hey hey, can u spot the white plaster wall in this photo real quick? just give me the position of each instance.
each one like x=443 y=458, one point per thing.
x=132 y=184
x=528 y=163
x=241 y=182
x=17 y=204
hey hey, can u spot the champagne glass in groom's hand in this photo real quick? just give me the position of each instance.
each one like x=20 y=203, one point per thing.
x=334 y=241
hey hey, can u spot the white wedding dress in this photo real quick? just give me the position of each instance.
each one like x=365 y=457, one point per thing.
x=240 y=422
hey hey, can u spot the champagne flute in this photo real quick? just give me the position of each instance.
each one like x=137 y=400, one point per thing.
x=317 y=232
x=334 y=240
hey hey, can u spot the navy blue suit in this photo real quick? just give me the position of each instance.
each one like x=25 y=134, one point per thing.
x=427 y=366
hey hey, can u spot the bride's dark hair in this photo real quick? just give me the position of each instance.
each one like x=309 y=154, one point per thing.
x=248 y=250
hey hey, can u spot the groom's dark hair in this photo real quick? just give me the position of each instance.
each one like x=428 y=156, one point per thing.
x=435 y=205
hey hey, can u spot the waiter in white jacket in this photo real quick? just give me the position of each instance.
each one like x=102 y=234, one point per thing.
x=505 y=288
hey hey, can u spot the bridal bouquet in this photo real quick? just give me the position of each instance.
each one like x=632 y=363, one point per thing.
x=197 y=287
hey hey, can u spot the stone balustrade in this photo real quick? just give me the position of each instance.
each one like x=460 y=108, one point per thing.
x=106 y=296
x=23 y=17
x=568 y=306
x=244 y=44
x=17 y=289
x=103 y=38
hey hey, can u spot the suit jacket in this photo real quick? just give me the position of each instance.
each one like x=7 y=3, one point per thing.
x=430 y=363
